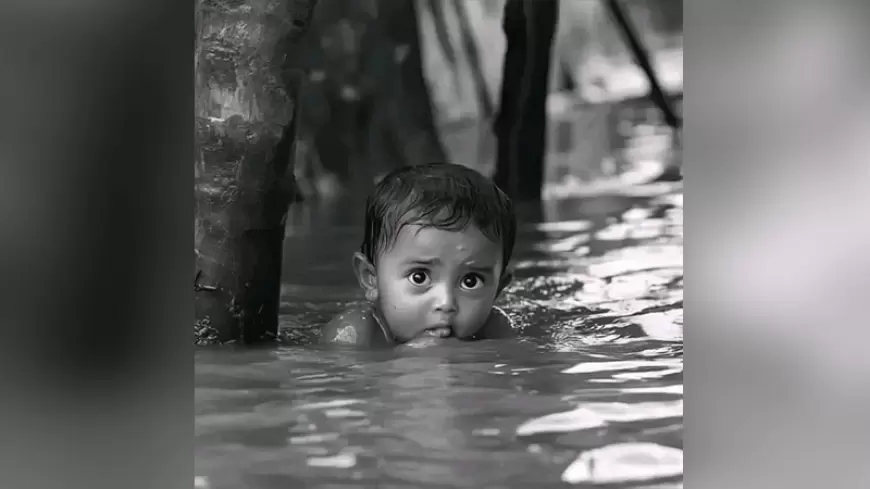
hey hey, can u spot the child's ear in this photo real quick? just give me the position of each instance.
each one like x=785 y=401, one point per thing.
x=366 y=276
x=505 y=280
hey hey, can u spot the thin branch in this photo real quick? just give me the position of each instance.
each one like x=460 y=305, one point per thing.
x=642 y=58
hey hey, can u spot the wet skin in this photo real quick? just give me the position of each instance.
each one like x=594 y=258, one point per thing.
x=429 y=283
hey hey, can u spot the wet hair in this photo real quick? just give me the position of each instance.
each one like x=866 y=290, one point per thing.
x=440 y=195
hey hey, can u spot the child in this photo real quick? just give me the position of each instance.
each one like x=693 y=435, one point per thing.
x=438 y=239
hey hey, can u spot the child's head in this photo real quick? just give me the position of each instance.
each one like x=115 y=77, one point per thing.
x=438 y=240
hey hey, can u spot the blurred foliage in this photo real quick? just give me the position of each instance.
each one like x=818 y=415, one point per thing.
x=349 y=62
x=667 y=15
x=364 y=96
x=347 y=56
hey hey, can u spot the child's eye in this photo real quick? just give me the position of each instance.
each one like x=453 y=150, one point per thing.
x=419 y=278
x=471 y=282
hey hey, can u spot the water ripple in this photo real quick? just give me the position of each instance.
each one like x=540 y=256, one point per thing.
x=625 y=462
x=590 y=393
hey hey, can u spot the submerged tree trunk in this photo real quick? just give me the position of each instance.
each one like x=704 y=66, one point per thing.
x=246 y=98
x=521 y=124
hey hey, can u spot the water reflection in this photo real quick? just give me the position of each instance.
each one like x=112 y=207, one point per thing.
x=591 y=392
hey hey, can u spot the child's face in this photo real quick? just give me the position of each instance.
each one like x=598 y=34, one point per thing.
x=432 y=278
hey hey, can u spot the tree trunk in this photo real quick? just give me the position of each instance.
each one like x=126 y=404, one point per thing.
x=474 y=63
x=331 y=99
x=521 y=124
x=246 y=98
x=391 y=124
x=412 y=121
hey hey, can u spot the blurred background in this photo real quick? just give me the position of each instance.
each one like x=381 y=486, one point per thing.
x=392 y=83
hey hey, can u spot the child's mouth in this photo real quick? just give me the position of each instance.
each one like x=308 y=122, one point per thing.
x=438 y=331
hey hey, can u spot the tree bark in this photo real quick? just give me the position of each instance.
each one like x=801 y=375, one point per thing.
x=521 y=124
x=246 y=99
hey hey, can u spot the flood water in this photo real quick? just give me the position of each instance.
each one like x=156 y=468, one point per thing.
x=590 y=392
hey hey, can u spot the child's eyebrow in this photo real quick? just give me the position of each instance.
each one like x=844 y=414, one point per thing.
x=424 y=261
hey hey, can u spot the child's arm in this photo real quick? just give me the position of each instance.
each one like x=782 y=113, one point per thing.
x=497 y=326
x=353 y=327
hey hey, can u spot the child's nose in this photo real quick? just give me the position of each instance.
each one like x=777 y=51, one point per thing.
x=445 y=299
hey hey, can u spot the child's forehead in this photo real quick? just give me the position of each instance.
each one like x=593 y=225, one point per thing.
x=422 y=239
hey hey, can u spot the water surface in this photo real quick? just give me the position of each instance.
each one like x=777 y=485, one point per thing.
x=591 y=391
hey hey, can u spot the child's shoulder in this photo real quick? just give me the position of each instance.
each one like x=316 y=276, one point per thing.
x=356 y=325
